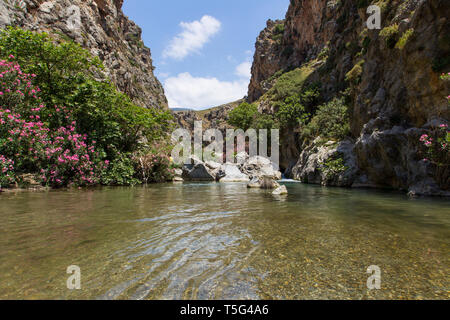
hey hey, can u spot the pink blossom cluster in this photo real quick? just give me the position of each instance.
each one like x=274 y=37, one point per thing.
x=62 y=156
x=6 y=170
x=445 y=76
x=15 y=85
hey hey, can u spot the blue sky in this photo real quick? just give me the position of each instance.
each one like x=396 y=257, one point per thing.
x=202 y=49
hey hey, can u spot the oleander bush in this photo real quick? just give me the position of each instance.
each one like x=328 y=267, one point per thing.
x=62 y=120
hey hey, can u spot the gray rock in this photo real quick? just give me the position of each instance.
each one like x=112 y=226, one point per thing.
x=233 y=174
x=312 y=168
x=263 y=183
x=256 y=167
x=198 y=172
x=280 y=190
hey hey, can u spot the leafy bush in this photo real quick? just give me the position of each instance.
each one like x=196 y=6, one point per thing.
x=153 y=167
x=243 y=115
x=404 y=39
x=7 y=175
x=62 y=156
x=58 y=72
x=333 y=166
x=436 y=149
x=390 y=35
x=120 y=172
x=264 y=121
x=293 y=111
x=354 y=75
x=278 y=32
x=67 y=76
x=331 y=121
x=59 y=65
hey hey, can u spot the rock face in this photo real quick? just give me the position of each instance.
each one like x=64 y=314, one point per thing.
x=104 y=30
x=267 y=60
x=395 y=97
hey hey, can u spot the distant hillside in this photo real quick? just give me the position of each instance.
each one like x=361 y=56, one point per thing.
x=215 y=117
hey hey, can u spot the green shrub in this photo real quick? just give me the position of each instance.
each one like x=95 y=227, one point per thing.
x=389 y=34
x=279 y=28
x=59 y=65
x=292 y=113
x=323 y=55
x=120 y=172
x=331 y=121
x=354 y=75
x=404 y=39
x=67 y=76
x=264 y=121
x=154 y=165
x=70 y=76
x=242 y=116
x=333 y=166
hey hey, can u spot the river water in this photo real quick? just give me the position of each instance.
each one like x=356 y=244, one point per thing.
x=223 y=241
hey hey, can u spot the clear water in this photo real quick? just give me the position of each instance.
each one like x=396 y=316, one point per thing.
x=223 y=241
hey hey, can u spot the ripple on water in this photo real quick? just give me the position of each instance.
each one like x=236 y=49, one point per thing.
x=222 y=241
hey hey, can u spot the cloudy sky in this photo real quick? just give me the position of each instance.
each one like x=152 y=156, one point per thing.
x=202 y=49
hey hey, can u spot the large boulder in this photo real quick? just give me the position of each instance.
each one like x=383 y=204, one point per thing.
x=257 y=167
x=280 y=191
x=263 y=182
x=231 y=173
x=198 y=172
x=329 y=164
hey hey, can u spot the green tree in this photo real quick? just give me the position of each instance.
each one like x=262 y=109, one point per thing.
x=242 y=116
x=292 y=113
x=331 y=121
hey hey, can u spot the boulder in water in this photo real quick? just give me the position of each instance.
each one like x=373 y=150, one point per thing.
x=264 y=182
x=280 y=190
x=198 y=172
x=231 y=173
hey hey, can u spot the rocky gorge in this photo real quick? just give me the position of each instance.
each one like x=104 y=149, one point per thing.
x=389 y=79
x=394 y=88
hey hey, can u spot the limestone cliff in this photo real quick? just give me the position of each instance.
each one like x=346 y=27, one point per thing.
x=104 y=30
x=391 y=76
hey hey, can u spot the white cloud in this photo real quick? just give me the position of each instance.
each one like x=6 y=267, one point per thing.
x=193 y=37
x=163 y=75
x=199 y=93
x=244 y=70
